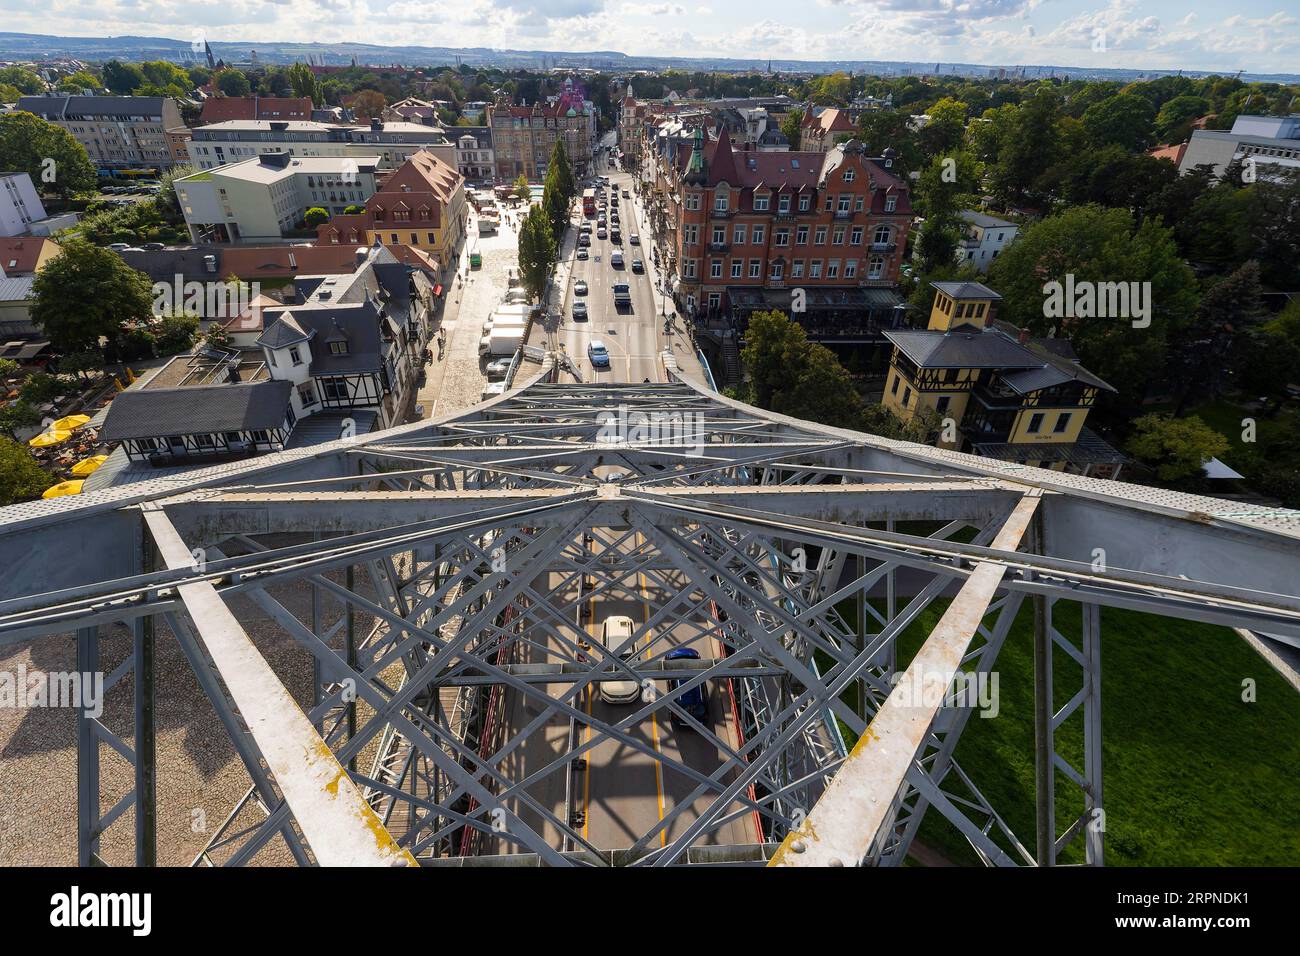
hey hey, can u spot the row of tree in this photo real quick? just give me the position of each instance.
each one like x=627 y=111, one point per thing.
x=543 y=226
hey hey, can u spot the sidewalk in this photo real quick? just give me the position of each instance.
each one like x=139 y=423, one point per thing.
x=677 y=340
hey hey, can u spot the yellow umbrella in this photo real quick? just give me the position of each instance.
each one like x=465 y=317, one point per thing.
x=50 y=438
x=88 y=465
x=69 y=422
x=63 y=488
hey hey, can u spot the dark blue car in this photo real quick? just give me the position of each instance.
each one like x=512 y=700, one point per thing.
x=692 y=701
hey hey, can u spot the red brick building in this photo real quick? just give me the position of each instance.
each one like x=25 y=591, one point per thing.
x=745 y=228
x=219 y=109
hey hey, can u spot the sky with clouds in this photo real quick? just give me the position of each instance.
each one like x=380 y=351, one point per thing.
x=1220 y=35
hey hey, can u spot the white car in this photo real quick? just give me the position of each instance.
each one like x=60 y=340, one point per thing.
x=580 y=287
x=493 y=390
x=615 y=632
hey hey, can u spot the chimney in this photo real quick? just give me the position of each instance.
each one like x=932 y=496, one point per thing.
x=1023 y=337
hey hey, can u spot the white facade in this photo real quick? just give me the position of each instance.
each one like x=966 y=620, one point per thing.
x=984 y=239
x=1268 y=140
x=20 y=206
x=261 y=199
x=232 y=141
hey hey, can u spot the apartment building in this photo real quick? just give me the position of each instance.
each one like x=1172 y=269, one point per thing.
x=118 y=132
x=820 y=128
x=1272 y=142
x=393 y=143
x=993 y=390
x=221 y=109
x=983 y=238
x=264 y=198
x=421 y=204
x=475 y=160
x=524 y=136
x=20 y=205
x=744 y=228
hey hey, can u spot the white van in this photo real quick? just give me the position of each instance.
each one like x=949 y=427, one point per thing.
x=614 y=633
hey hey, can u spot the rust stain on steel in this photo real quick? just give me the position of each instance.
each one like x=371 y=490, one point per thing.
x=841 y=828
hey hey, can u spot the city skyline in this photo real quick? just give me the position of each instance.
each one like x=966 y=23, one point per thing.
x=1152 y=35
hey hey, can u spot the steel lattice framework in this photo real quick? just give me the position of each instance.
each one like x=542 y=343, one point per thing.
x=463 y=559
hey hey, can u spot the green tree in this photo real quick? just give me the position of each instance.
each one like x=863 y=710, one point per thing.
x=792 y=376
x=21 y=479
x=315 y=216
x=175 y=334
x=24 y=80
x=303 y=82
x=791 y=126
x=1125 y=120
x=48 y=153
x=1231 y=306
x=82 y=364
x=562 y=172
x=537 y=253
x=81 y=80
x=522 y=192
x=122 y=78
x=1028 y=144
x=946 y=129
x=1096 y=245
x=1174 y=121
x=353 y=210
x=233 y=83
x=1175 y=447
x=86 y=293
x=18 y=414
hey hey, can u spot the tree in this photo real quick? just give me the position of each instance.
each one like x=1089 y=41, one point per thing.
x=82 y=364
x=86 y=293
x=792 y=376
x=522 y=191
x=48 y=153
x=1267 y=356
x=17 y=415
x=947 y=126
x=943 y=188
x=1028 y=143
x=303 y=82
x=1125 y=120
x=562 y=170
x=537 y=253
x=81 y=80
x=353 y=210
x=315 y=216
x=176 y=334
x=791 y=127
x=1197 y=351
x=369 y=103
x=122 y=78
x=1174 y=121
x=1095 y=246
x=233 y=83
x=1175 y=447
x=24 y=80
x=21 y=479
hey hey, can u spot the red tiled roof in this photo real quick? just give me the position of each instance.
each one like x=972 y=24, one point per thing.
x=252 y=262
x=222 y=108
x=20 y=254
x=1172 y=153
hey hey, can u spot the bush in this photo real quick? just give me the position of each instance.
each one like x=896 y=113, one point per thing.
x=136 y=343
x=21 y=479
x=316 y=216
x=175 y=334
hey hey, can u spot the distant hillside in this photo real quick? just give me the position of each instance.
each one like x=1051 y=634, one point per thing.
x=32 y=46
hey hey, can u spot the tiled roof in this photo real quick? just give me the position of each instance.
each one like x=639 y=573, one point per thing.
x=965 y=290
x=59 y=106
x=987 y=348
x=20 y=254
x=218 y=109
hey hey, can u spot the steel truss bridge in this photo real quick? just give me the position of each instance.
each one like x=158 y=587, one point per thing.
x=455 y=572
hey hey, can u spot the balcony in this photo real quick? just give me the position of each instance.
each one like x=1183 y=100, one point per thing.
x=882 y=246
x=719 y=247
x=844 y=214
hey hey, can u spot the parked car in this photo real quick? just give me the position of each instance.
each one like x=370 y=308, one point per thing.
x=492 y=390
x=598 y=354
x=498 y=368
x=692 y=701
x=601 y=233
x=614 y=633
x=580 y=287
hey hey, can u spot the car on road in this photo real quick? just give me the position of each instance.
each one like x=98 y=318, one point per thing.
x=580 y=287
x=622 y=295
x=598 y=354
x=616 y=259
x=582 y=252
x=616 y=237
x=692 y=701
x=580 y=311
x=615 y=632
x=584 y=240
x=634 y=239
x=601 y=233
x=625 y=194
x=638 y=266
x=585 y=228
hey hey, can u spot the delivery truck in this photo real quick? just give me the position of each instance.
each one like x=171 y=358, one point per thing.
x=502 y=341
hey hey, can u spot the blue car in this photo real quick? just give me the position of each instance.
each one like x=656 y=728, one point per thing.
x=598 y=354
x=692 y=701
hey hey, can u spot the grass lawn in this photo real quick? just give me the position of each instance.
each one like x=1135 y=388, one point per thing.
x=1193 y=775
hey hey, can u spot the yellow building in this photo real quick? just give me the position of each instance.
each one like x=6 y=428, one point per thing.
x=994 y=390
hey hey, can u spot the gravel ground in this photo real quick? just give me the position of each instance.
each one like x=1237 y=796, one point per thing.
x=200 y=776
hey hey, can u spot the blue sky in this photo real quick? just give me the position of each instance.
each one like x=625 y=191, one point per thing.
x=1161 y=34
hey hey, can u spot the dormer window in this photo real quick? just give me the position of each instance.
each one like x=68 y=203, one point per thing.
x=720 y=201
x=891 y=203
x=339 y=347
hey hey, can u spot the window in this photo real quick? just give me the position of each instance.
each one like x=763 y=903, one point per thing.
x=693 y=201
x=850 y=268
x=783 y=204
x=760 y=202
x=719 y=235
x=833 y=269
x=819 y=238
x=875 y=267
x=739 y=235
x=294 y=355
x=844 y=203
x=690 y=235
x=796 y=269
x=837 y=237
x=881 y=235
x=1062 y=423
x=815 y=269
x=801 y=236
x=306 y=395
x=336 y=389
x=692 y=265
x=848 y=175
x=760 y=235
x=715 y=299
x=891 y=203
x=737 y=268
x=855 y=237
x=755 y=268
x=781 y=237
x=715 y=269
x=720 y=202
x=1035 y=423
x=778 y=270
x=804 y=203
x=894 y=389
x=907 y=396
x=339 y=347
x=941 y=406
